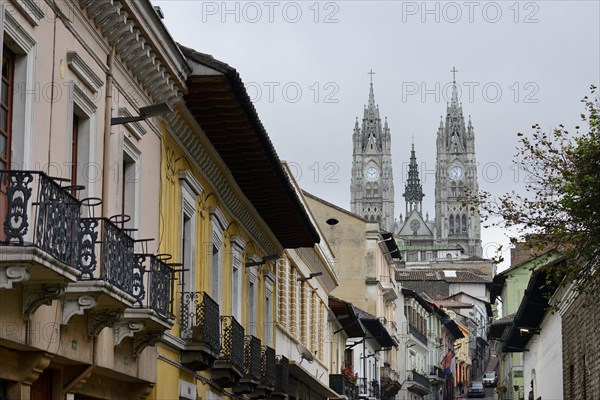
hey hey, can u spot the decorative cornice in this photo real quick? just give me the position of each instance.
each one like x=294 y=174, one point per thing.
x=30 y=10
x=83 y=71
x=113 y=20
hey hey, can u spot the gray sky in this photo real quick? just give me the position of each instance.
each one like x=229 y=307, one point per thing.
x=305 y=65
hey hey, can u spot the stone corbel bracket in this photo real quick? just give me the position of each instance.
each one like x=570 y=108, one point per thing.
x=76 y=305
x=145 y=339
x=11 y=275
x=100 y=320
x=35 y=296
x=126 y=329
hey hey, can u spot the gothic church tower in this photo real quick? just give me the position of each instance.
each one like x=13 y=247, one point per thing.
x=372 y=186
x=456 y=174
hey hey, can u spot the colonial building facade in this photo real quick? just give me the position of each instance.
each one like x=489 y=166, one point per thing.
x=83 y=292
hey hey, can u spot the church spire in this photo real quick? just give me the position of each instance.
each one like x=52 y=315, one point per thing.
x=413 y=192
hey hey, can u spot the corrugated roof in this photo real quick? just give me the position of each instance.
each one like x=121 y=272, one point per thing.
x=429 y=274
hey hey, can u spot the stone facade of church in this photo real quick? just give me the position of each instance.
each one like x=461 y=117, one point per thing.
x=372 y=183
x=455 y=232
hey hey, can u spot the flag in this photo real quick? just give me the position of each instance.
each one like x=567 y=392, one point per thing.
x=447 y=362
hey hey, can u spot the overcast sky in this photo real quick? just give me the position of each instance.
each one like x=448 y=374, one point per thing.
x=305 y=65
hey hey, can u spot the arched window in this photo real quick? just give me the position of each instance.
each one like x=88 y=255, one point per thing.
x=451 y=227
x=457 y=224
x=464 y=223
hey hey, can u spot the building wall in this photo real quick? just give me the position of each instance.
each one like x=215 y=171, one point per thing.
x=542 y=364
x=579 y=348
x=61 y=65
x=206 y=205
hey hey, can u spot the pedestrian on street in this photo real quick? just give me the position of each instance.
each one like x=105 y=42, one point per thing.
x=460 y=387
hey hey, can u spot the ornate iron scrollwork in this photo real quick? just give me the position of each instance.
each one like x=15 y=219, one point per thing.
x=268 y=366
x=160 y=283
x=282 y=377
x=199 y=319
x=117 y=257
x=252 y=357
x=138 y=290
x=87 y=262
x=57 y=224
x=18 y=191
x=233 y=342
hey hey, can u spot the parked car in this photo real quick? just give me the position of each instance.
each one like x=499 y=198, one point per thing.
x=476 y=389
x=490 y=379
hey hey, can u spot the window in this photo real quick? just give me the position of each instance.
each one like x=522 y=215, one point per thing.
x=217 y=224
x=190 y=190
x=82 y=170
x=252 y=292
x=464 y=224
x=451 y=225
x=6 y=107
x=237 y=247
x=268 y=310
x=130 y=185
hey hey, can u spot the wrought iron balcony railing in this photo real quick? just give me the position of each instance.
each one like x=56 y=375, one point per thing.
x=199 y=319
x=153 y=284
x=252 y=358
x=117 y=266
x=232 y=349
x=36 y=210
x=341 y=386
x=368 y=387
x=436 y=372
x=418 y=378
x=268 y=367
x=418 y=335
x=282 y=383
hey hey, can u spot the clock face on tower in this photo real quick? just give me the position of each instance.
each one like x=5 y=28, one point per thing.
x=455 y=172
x=371 y=174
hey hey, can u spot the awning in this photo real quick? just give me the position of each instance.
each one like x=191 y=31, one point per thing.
x=346 y=316
x=218 y=101
x=300 y=374
x=379 y=332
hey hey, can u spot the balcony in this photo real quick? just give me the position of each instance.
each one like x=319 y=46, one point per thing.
x=390 y=382
x=39 y=237
x=341 y=386
x=436 y=375
x=282 y=383
x=267 y=374
x=388 y=287
x=368 y=388
x=252 y=366
x=417 y=383
x=200 y=328
x=417 y=335
x=229 y=367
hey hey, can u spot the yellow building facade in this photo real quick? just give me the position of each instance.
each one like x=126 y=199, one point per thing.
x=224 y=226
